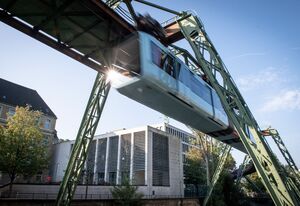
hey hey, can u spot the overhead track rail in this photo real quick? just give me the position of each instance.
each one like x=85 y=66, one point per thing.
x=83 y=30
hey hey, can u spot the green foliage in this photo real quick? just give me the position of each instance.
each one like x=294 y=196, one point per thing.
x=22 y=147
x=196 y=165
x=195 y=171
x=126 y=194
x=254 y=188
x=232 y=193
x=201 y=164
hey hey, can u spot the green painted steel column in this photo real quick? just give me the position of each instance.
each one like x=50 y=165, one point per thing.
x=219 y=168
x=241 y=169
x=284 y=151
x=84 y=138
x=237 y=110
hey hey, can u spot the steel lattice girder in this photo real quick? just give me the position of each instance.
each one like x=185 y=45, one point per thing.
x=219 y=168
x=84 y=138
x=241 y=169
x=237 y=110
x=284 y=151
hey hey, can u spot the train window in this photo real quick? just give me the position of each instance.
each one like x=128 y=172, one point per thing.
x=157 y=55
x=217 y=103
x=201 y=89
x=207 y=95
x=163 y=60
x=177 y=70
x=184 y=76
x=126 y=54
x=169 y=65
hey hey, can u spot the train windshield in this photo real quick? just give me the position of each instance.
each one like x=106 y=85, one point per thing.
x=126 y=55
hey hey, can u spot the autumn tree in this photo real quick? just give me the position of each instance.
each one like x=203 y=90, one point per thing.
x=23 y=150
x=253 y=185
x=195 y=169
x=201 y=162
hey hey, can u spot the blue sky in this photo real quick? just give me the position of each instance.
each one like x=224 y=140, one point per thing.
x=258 y=41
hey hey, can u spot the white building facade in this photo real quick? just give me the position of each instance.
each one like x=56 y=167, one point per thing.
x=150 y=157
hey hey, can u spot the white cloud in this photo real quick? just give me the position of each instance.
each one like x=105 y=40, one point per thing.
x=284 y=100
x=263 y=77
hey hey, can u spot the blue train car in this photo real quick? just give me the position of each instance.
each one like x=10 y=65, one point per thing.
x=155 y=77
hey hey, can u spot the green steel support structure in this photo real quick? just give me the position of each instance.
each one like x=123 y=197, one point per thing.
x=241 y=169
x=293 y=180
x=237 y=110
x=84 y=138
x=284 y=151
x=220 y=166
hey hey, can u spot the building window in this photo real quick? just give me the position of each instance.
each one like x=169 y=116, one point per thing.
x=11 y=112
x=160 y=160
x=38 y=178
x=112 y=178
x=139 y=157
x=101 y=180
x=102 y=146
x=112 y=159
x=90 y=162
x=47 y=124
x=168 y=130
x=124 y=177
x=185 y=148
x=125 y=154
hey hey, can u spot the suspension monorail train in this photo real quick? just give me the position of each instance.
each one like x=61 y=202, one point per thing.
x=155 y=77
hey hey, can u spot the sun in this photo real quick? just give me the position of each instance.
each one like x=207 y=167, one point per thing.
x=116 y=78
x=113 y=76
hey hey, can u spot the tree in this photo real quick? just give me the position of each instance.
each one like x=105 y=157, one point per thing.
x=201 y=162
x=23 y=150
x=126 y=194
x=255 y=186
x=195 y=168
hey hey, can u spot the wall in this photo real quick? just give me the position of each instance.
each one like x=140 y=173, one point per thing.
x=92 y=191
x=175 y=167
x=60 y=160
x=150 y=202
x=62 y=155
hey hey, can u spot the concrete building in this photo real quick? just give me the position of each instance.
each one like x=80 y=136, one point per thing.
x=187 y=139
x=149 y=156
x=13 y=95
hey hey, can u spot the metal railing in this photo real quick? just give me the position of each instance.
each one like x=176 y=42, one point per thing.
x=82 y=196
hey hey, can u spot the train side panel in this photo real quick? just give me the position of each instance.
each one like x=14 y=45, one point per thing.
x=153 y=72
